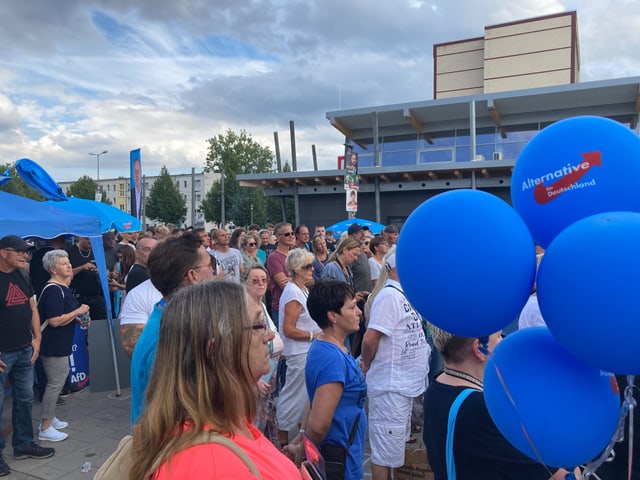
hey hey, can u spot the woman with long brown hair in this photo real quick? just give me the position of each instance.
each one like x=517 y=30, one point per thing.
x=212 y=350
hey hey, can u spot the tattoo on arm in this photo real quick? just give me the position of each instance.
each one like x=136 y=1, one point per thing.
x=129 y=335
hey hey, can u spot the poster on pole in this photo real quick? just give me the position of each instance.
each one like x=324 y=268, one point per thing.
x=352 y=200
x=351 y=179
x=137 y=197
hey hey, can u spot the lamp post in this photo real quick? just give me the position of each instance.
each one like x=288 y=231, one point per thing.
x=98 y=189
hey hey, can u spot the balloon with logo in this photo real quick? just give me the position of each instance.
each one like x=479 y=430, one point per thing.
x=466 y=261
x=588 y=287
x=550 y=405
x=575 y=168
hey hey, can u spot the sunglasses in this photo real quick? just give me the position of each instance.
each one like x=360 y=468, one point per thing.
x=309 y=266
x=287 y=234
x=253 y=244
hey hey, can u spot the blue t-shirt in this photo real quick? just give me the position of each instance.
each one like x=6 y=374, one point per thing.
x=326 y=363
x=144 y=354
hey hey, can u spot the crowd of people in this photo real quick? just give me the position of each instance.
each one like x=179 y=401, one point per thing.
x=246 y=344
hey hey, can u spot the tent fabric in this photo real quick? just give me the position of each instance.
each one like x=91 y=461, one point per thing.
x=341 y=227
x=37 y=178
x=27 y=218
x=110 y=216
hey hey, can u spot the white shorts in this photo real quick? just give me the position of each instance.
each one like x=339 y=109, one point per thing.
x=389 y=428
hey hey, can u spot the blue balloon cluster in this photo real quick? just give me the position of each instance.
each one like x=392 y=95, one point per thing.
x=551 y=406
x=575 y=168
x=466 y=261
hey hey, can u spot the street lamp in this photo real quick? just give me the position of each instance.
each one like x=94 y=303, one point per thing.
x=97 y=155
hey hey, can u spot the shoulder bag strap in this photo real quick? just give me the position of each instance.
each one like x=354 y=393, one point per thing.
x=209 y=436
x=451 y=426
x=45 y=324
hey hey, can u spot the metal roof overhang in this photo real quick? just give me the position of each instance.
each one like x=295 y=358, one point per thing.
x=618 y=99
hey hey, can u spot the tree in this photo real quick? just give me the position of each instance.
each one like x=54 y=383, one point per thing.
x=233 y=154
x=165 y=202
x=16 y=185
x=85 y=187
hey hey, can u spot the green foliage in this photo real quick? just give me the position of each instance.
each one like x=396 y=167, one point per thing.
x=16 y=185
x=84 y=187
x=165 y=202
x=235 y=154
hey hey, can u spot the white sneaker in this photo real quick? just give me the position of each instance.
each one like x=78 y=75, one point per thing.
x=51 y=435
x=58 y=424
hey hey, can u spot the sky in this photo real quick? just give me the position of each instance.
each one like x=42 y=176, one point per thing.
x=85 y=76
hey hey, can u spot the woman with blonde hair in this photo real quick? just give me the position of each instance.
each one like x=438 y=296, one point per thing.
x=298 y=330
x=212 y=350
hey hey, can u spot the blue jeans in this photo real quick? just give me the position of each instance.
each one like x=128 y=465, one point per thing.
x=19 y=371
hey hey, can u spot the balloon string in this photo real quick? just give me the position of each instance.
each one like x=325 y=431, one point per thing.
x=524 y=429
x=608 y=454
x=632 y=403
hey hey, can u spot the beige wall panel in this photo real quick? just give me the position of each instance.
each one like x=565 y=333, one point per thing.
x=530 y=26
x=460 y=61
x=527 y=42
x=527 y=81
x=457 y=47
x=529 y=63
x=460 y=93
x=460 y=80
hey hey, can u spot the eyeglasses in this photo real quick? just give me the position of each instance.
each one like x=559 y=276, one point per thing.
x=17 y=251
x=253 y=244
x=287 y=234
x=210 y=265
x=309 y=266
x=257 y=327
x=258 y=281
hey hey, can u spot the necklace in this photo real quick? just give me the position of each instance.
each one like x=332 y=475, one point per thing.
x=463 y=376
x=82 y=254
x=335 y=341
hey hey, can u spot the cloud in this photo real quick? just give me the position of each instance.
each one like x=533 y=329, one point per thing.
x=82 y=76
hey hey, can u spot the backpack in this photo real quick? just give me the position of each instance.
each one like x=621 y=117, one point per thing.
x=117 y=466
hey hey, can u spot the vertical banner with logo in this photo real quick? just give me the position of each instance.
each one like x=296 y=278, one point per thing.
x=137 y=197
x=351 y=182
x=352 y=200
x=79 y=359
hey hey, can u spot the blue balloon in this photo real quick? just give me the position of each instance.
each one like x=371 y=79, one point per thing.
x=575 y=168
x=550 y=405
x=588 y=290
x=466 y=261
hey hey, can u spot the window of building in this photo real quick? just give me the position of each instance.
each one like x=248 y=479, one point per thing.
x=436 y=155
x=185 y=184
x=198 y=183
x=122 y=189
x=198 y=197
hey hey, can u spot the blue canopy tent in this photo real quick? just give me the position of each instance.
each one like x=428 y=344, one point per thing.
x=27 y=218
x=341 y=227
x=38 y=179
x=110 y=216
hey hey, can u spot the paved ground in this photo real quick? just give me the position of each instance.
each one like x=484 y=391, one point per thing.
x=97 y=422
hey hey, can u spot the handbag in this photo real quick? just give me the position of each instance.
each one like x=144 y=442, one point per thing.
x=335 y=456
x=117 y=466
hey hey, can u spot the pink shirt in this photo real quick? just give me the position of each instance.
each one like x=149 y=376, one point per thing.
x=215 y=461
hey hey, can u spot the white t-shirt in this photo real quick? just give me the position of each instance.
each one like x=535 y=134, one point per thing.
x=139 y=303
x=374 y=267
x=292 y=293
x=530 y=316
x=230 y=262
x=401 y=363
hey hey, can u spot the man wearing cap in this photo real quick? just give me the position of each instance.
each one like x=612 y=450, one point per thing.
x=395 y=359
x=19 y=347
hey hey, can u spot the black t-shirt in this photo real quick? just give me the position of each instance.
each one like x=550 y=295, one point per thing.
x=56 y=300
x=136 y=276
x=39 y=276
x=85 y=282
x=15 y=310
x=479 y=449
